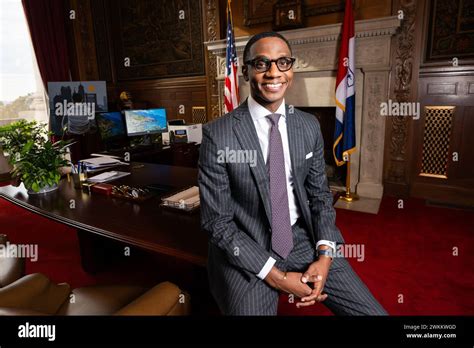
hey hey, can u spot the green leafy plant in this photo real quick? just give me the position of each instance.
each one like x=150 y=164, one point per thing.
x=35 y=158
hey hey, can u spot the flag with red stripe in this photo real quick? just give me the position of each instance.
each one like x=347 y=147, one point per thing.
x=231 y=89
x=344 y=135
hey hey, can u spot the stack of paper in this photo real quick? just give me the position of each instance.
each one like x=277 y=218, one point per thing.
x=187 y=199
x=100 y=163
x=107 y=176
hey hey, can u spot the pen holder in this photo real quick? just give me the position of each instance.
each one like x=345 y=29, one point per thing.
x=78 y=179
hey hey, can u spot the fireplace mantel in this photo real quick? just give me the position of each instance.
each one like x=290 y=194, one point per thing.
x=316 y=53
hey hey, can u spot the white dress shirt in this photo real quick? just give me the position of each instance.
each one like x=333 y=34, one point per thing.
x=262 y=125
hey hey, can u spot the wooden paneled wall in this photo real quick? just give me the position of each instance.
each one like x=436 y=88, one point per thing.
x=416 y=151
x=92 y=50
x=443 y=160
x=177 y=95
x=443 y=165
x=364 y=9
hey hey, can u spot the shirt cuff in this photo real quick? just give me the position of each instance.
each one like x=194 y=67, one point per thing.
x=328 y=243
x=266 y=268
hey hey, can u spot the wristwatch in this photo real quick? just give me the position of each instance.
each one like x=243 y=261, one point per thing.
x=326 y=252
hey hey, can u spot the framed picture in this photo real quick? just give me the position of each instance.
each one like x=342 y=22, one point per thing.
x=451 y=30
x=258 y=11
x=287 y=15
x=262 y=11
x=94 y=92
x=157 y=38
x=75 y=98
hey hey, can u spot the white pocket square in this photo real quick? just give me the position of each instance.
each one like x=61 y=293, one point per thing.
x=309 y=155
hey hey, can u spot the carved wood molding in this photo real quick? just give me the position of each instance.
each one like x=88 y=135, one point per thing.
x=211 y=22
x=398 y=133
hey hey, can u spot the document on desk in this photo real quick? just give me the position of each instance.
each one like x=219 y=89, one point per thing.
x=104 y=155
x=100 y=163
x=107 y=176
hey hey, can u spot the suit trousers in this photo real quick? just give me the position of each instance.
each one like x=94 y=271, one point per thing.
x=347 y=294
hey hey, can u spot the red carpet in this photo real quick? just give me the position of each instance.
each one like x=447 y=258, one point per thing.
x=408 y=252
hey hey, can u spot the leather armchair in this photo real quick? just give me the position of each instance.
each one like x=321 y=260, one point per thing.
x=35 y=294
x=11 y=269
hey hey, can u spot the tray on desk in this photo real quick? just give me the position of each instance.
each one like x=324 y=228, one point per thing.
x=180 y=206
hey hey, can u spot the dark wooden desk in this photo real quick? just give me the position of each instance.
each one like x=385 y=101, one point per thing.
x=179 y=154
x=145 y=154
x=144 y=225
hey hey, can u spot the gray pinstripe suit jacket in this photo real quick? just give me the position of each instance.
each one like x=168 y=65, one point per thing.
x=235 y=201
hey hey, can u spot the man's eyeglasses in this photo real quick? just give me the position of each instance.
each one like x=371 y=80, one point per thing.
x=262 y=64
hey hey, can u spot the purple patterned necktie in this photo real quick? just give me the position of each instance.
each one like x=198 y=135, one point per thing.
x=282 y=236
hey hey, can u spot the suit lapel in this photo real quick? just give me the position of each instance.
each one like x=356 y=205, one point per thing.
x=246 y=134
x=295 y=139
x=296 y=143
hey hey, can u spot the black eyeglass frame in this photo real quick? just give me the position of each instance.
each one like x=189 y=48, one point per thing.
x=269 y=63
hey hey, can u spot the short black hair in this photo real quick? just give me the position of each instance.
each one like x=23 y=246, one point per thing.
x=263 y=35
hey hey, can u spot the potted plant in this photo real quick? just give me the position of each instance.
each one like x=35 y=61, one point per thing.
x=36 y=160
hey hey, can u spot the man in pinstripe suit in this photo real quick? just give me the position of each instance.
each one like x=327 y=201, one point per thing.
x=270 y=221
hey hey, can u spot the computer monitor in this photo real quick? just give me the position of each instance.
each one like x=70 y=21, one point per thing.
x=111 y=125
x=112 y=130
x=143 y=122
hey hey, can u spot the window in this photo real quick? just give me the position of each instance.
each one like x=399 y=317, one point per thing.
x=22 y=94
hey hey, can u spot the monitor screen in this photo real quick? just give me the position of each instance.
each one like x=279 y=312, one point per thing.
x=141 y=122
x=111 y=125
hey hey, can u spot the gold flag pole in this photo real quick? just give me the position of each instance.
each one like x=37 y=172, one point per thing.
x=348 y=196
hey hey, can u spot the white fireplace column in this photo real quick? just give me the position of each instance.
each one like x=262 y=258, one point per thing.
x=316 y=51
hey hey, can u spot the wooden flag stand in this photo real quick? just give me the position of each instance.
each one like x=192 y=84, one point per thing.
x=348 y=196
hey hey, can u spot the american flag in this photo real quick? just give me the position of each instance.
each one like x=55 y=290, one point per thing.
x=231 y=89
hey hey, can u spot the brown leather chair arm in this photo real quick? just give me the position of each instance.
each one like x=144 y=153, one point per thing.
x=164 y=299
x=34 y=292
x=11 y=268
x=19 y=311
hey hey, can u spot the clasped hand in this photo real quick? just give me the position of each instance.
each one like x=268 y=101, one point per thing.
x=307 y=286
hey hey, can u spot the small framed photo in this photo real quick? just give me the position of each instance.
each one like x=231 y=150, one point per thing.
x=288 y=15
